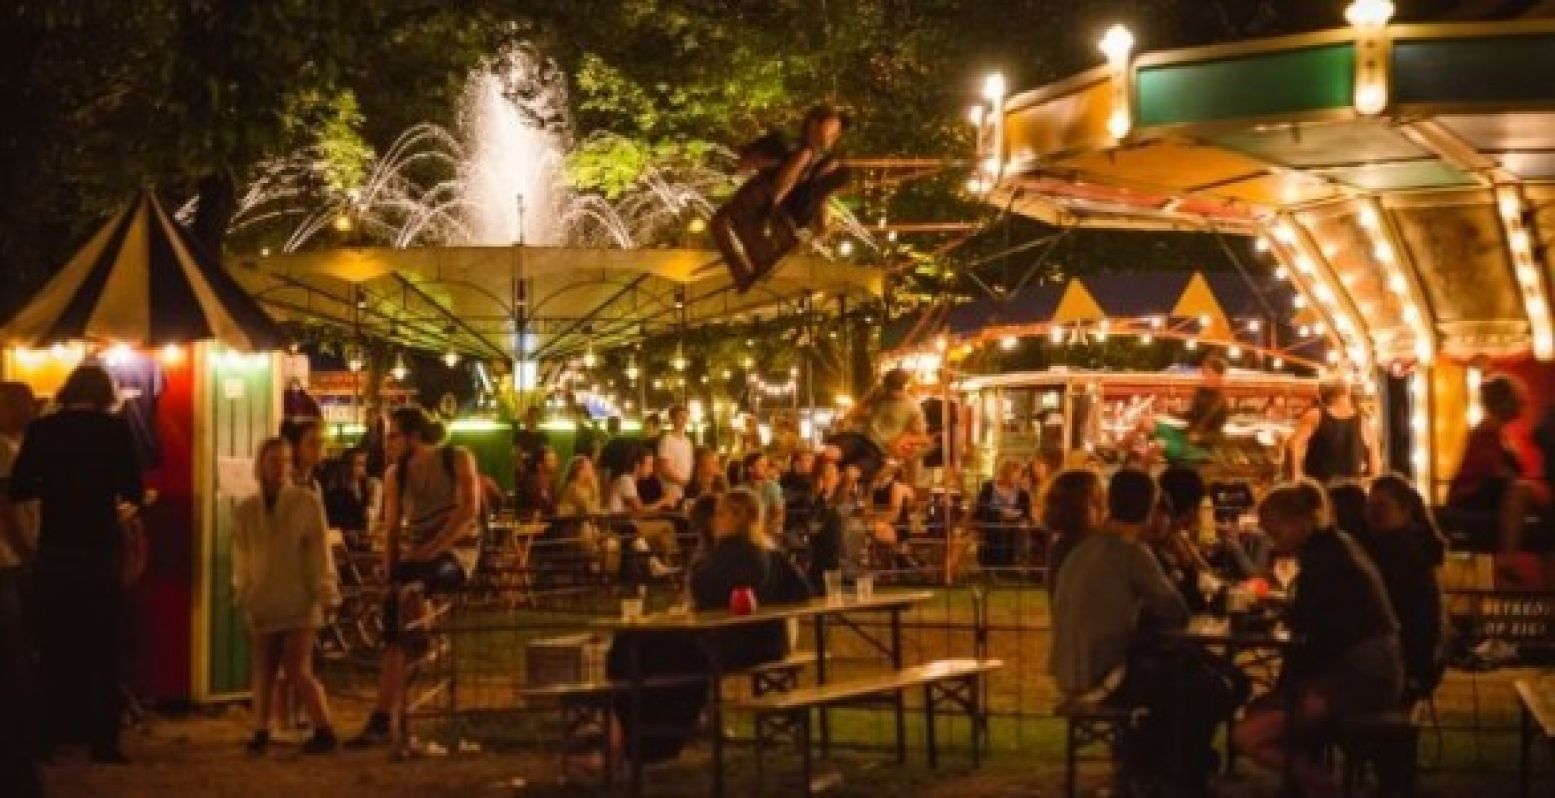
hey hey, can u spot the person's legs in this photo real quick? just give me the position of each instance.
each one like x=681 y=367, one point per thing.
x=1514 y=508
x=298 y=658
x=103 y=640
x=265 y=665
x=17 y=767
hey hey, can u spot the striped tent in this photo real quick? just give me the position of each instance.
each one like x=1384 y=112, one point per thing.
x=142 y=280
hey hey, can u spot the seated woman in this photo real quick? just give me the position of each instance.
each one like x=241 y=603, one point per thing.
x=1347 y=660
x=536 y=494
x=1407 y=548
x=1003 y=517
x=707 y=475
x=575 y=510
x=1490 y=486
x=826 y=509
x=741 y=557
x=352 y=498
x=1074 y=507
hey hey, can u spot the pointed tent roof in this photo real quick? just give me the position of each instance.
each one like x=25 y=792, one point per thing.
x=143 y=280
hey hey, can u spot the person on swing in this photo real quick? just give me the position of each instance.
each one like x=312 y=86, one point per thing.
x=785 y=202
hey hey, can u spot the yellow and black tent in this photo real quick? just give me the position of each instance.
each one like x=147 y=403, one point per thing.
x=144 y=281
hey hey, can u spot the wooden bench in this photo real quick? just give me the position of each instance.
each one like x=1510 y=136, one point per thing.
x=586 y=705
x=1537 y=699
x=1089 y=723
x=788 y=714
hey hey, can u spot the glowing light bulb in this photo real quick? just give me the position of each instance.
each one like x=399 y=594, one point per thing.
x=589 y=359
x=1369 y=13
x=1116 y=44
x=994 y=87
x=1056 y=334
x=976 y=114
x=696 y=226
x=1008 y=342
x=450 y=358
x=343 y=223
x=399 y=371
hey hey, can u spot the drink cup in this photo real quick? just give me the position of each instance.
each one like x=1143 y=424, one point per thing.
x=631 y=609
x=833 y=585
x=864 y=587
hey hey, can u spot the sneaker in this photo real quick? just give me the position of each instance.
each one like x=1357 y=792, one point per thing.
x=323 y=741
x=258 y=744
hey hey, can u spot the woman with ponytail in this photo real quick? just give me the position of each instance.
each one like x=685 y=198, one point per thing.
x=1346 y=659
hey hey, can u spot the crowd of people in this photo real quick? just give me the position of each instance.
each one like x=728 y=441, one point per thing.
x=1129 y=567
x=1127 y=558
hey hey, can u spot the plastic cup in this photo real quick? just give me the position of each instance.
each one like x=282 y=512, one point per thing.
x=631 y=609
x=833 y=585
x=864 y=587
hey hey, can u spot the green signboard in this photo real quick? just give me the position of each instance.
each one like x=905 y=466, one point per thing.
x=1246 y=87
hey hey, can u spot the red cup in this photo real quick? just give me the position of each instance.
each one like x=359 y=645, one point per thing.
x=742 y=601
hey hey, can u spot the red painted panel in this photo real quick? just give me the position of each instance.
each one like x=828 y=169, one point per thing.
x=162 y=602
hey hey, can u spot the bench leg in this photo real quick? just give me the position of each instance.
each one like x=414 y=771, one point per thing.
x=928 y=726
x=974 y=691
x=761 y=747
x=804 y=751
x=901 y=726
x=1069 y=757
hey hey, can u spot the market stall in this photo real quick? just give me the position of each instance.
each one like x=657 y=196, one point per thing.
x=191 y=353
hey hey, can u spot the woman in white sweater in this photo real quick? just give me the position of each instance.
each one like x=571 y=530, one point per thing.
x=283 y=581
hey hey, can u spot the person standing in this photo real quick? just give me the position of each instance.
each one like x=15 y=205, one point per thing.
x=81 y=464
x=615 y=458
x=306 y=439
x=1335 y=440
x=283 y=582
x=18 y=541
x=435 y=491
x=353 y=498
x=1407 y=548
x=677 y=456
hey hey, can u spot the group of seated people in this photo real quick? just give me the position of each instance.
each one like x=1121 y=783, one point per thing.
x=1127 y=569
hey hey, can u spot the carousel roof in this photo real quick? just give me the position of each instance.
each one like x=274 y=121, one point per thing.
x=1403 y=175
x=462 y=297
x=142 y=280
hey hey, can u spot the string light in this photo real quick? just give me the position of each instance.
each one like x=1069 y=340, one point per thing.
x=399 y=371
x=1008 y=343
x=450 y=358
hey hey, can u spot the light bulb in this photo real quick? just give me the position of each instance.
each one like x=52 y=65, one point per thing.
x=994 y=87
x=975 y=115
x=451 y=358
x=589 y=360
x=1369 y=13
x=1009 y=342
x=1116 y=44
x=343 y=223
x=399 y=371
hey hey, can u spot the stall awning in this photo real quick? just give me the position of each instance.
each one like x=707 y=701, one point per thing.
x=142 y=280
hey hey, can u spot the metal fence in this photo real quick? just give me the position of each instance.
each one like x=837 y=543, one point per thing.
x=469 y=681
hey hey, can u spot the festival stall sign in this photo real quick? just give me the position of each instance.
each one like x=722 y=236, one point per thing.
x=1399 y=175
x=190 y=352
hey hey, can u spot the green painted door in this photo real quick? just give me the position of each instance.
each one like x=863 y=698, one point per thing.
x=241 y=414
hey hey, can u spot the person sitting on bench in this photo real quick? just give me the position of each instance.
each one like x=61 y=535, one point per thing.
x=742 y=556
x=1347 y=658
x=1490 y=483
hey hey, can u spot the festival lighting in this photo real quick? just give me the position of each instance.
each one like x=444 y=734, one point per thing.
x=1008 y=343
x=450 y=358
x=1526 y=269
x=1117 y=44
x=994 y=87
x=1369 y=14
x=399 y=371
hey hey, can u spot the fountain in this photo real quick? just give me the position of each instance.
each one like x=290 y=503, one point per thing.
x=439 y=187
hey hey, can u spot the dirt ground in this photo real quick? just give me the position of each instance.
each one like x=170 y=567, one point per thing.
x=200 y=754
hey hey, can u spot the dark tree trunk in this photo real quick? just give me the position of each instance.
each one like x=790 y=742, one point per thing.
x=218 y=203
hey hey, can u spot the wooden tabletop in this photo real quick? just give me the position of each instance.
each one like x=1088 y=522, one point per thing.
x=1538 y=697
x=1211 y=630
x=720 y=619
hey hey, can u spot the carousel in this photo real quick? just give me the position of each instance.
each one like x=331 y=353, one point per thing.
x=1401 y=177
x=1095 y=415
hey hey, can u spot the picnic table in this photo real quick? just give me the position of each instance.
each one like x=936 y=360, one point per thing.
x=704 y=627
x=1215 y=632
x=1537 y=699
